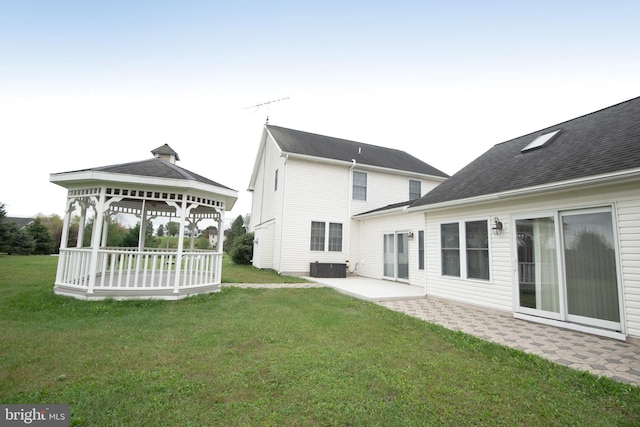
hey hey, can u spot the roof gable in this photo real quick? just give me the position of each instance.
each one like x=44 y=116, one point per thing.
x=602 y=142
x=314 y=145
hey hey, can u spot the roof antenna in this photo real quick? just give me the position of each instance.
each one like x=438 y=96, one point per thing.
x=262 y=104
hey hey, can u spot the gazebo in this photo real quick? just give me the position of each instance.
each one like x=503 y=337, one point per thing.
x=149 y=189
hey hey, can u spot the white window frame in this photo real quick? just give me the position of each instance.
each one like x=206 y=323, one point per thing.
x=462 y=235
x=327 y=236
x=353 y=185
x=563 y=319
x=421 y=250
x=420 y=189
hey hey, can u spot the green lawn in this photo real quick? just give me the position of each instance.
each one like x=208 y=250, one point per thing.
x=274 y=357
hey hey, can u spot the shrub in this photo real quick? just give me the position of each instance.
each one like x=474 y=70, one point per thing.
x=242 y=249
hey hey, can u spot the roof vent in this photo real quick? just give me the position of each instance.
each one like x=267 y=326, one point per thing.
x=540 y=141
x=359 y=150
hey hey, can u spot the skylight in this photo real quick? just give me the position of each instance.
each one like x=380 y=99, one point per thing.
x=540 y=141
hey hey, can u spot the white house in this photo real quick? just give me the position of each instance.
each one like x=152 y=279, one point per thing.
x=546 y=226
x=307 y=189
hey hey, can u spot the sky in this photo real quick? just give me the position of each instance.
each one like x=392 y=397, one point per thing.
x=95 y=83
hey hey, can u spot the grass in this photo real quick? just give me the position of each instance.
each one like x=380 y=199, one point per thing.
x=274 y=357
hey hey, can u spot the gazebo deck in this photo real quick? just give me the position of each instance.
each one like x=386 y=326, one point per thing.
x=128 y=273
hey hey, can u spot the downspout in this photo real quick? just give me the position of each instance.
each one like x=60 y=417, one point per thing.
x=284 y=188
x=350 y=198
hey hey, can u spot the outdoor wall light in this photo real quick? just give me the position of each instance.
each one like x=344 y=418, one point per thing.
x=497 y=226
x=410 y=235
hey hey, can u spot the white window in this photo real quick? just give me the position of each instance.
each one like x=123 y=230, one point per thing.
x=464 y=249
x=415 y=189
x=421 y=250
x=317 y=236
x=359 y=186
x=330 y=233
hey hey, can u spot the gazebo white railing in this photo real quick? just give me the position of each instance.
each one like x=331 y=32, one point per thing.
x=128 y=273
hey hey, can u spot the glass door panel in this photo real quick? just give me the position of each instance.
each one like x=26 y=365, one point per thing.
x=403 y=256
x=538 y=285
x=389 y=251
x=590 y=267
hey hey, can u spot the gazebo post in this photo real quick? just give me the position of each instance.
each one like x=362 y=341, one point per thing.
x=64 y=239
x=95 y=239
x=219 y=246
x=183 y=218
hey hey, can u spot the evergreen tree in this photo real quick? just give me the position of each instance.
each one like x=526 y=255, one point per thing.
x=42 y=239
x=160 y=231
x=20 y=241
x=4 y=229
x=242 y=251
x=237 y=229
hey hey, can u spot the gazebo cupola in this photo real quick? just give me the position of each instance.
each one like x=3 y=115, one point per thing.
x=150 y=189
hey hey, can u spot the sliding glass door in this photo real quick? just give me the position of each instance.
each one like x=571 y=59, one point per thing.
x=538 y=285
x=567 y=269
x=590 y=268
x=396 y=256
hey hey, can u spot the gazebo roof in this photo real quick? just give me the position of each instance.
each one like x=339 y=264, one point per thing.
x=154 y=172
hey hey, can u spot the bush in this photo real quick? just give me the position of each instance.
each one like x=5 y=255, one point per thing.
x=242 y=249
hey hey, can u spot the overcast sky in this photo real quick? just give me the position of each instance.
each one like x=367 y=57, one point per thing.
x=95 y=83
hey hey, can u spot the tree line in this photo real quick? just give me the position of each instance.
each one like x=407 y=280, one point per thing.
x=44 y=234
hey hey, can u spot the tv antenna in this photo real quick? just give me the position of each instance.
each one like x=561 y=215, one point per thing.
x=257 y=106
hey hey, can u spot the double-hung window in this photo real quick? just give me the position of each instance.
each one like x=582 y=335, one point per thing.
x=359 y=186
x=450 y=248
x=464 y=249
x=326 y=235
x=415 y=189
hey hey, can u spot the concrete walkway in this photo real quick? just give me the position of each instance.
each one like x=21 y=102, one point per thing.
x=601 y=356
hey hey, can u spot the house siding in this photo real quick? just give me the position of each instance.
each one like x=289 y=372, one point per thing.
x=499 y=292
x=372 y=231
x=629 y=242
x=387 y=188
x=314 y=192
x=266 y=206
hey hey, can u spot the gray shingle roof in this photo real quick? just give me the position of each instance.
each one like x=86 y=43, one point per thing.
x=157 y=168
x=602 y=142
x=310 y=144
